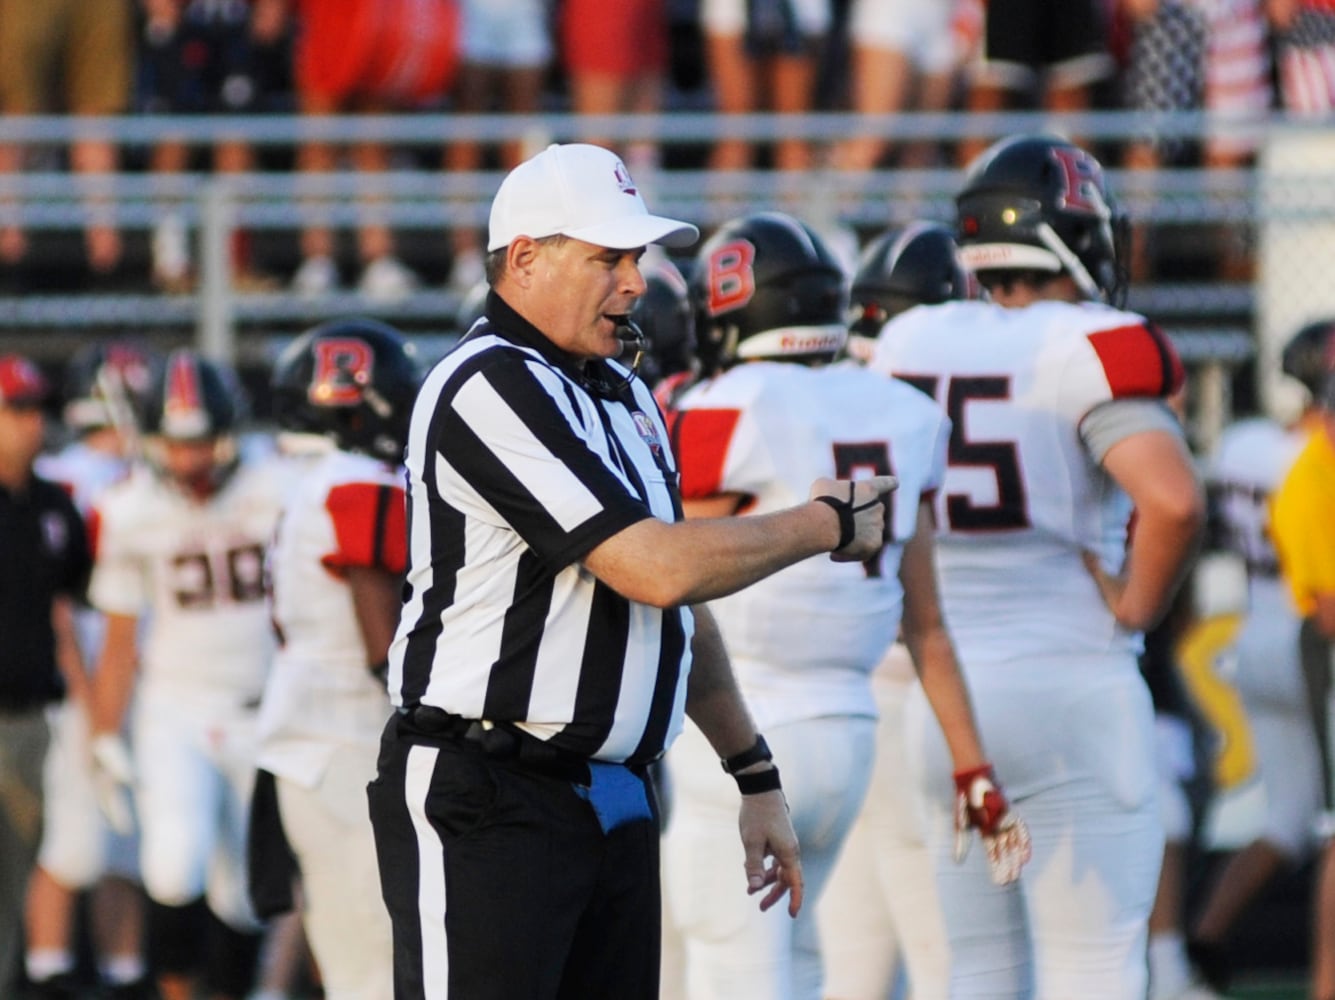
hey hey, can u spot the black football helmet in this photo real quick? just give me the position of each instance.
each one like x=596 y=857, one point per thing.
x=663 y=314
x=195 y=398
x=766 y=286
x=1309 y=356
x=353 y=380
x=108 y=384
x=1039 y=203
x=902 y=268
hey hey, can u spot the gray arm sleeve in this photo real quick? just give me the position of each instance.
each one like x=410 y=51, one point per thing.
x=1108 y=423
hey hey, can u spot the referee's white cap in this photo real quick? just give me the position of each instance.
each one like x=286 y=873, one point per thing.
x=584 y=192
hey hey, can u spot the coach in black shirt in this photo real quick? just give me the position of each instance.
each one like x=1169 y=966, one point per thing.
x=552 y=633
x=44 y=562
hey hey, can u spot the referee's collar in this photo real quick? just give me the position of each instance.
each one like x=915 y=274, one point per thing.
x=595 y=376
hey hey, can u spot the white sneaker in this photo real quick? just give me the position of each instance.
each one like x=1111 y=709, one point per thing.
x=387 y=279
x=317 y=276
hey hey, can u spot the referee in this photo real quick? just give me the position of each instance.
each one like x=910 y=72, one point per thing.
x=552 y=633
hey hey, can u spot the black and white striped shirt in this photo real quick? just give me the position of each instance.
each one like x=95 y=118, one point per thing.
x=520 y=461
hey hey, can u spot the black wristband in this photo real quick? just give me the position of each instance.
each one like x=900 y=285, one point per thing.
x=380 y=671
x=847 y=527
x=755 y=754
x=758 y=782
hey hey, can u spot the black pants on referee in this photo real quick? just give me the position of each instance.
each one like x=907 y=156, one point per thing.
x=501 y=884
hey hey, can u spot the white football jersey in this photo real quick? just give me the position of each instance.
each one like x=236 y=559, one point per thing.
x=1247 y=467
x=198 y=568
x=804 y=641
x=1022 y=496
x=1248 y=464
x=347 y=511
x=86 y=472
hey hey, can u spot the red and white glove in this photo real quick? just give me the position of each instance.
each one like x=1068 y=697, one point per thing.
x=981 y=805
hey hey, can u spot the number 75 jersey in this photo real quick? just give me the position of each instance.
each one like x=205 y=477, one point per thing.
x=1022 y=495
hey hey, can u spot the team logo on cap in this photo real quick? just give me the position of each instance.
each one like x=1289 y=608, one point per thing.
x=623 y=178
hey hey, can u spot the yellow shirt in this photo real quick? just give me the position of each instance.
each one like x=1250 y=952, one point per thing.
x=1302 y=521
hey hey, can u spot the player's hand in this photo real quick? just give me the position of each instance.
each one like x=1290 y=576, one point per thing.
x=861 y=508
x=980 y=805
x=113 y=776
x=1110 y=587
x=772 y=857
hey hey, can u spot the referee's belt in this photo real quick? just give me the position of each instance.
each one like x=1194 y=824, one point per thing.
x=618 y=793
x=498 y=740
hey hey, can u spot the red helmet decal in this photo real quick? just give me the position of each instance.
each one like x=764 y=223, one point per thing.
x=183 y=389
x=730 y=277
x=1082 y=181
x=343 y=368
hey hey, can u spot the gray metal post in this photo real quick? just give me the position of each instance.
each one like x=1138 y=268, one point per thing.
x=217 y=322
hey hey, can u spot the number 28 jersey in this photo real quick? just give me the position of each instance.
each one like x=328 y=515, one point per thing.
x=197 y=568
x=1022 y=494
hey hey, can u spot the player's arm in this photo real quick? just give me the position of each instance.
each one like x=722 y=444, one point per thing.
x=113 y=679
x=69 y=657
x=715 y=704
x=930 y=646
x=376 y=601
x=1156 y=471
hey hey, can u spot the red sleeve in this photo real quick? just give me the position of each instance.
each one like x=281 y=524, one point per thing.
x=700 y=440
x=1138 y=360
x=93 y=525
x=370 y=527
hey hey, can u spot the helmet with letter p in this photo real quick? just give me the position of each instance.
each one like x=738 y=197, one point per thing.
x=1039 y=204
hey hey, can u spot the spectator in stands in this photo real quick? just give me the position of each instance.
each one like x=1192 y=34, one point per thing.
x=615 y=57
x=1047 y=51
x=505 y=51
x=86 y=50
x=905 y=57
x=1194 y=55
x=198 y=57
x=1304 y=35
x=367 y=57
x=763 y=56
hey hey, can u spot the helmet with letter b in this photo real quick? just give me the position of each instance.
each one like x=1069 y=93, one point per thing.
x=352 y=380
x=767 y=286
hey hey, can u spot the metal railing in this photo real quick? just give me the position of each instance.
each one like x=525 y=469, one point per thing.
x=1212 y=320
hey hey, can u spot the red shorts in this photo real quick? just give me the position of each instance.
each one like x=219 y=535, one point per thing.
x=627 y=38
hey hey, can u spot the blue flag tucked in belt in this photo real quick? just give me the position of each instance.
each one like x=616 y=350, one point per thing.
x=616 y=793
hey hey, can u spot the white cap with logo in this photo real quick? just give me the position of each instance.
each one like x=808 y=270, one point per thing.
x=584 y=192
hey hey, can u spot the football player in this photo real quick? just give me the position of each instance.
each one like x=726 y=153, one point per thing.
x=1248 y=465
x=343 y=393
x=182 y=545
x=106 y=387
x=882 y=890
x=1059 y=431
x=769 y=413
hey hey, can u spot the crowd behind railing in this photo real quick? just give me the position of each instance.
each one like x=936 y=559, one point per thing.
x=380 y=117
